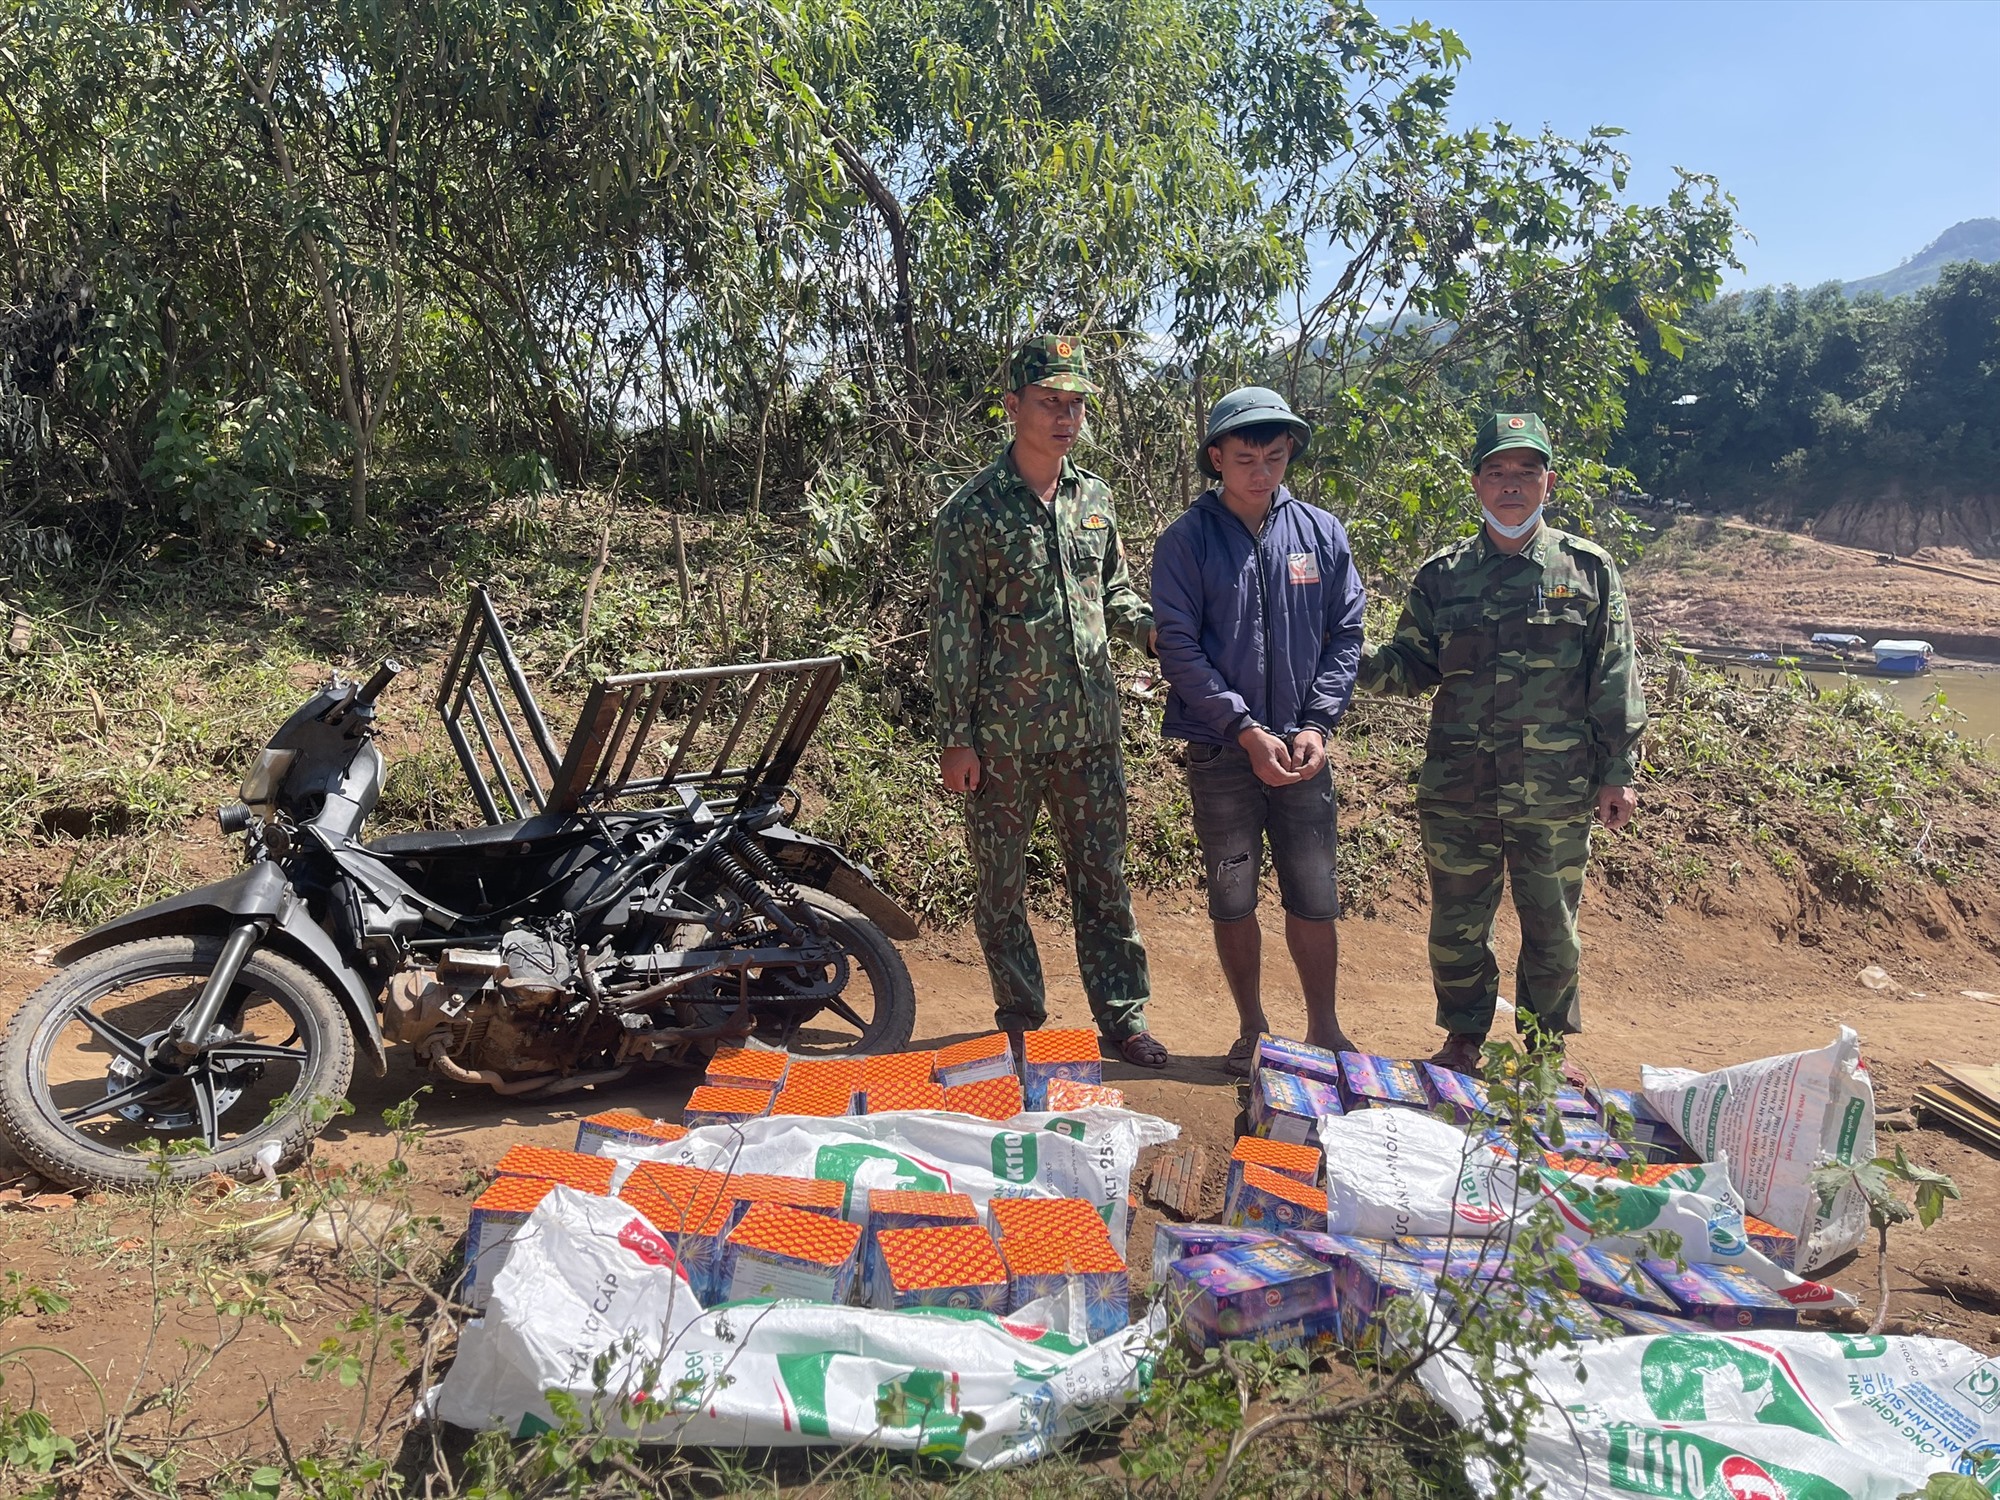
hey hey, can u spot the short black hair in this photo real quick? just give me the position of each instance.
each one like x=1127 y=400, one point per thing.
x=1260 y=434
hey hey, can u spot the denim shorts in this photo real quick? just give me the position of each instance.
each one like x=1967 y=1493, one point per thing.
x=1234 y=812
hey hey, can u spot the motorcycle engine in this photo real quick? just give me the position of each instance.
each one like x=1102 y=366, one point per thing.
x=502 y=1008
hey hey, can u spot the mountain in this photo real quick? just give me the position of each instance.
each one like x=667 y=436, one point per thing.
x=1975 y=239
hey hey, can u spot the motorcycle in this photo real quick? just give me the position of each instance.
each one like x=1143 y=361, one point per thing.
x=622 y=905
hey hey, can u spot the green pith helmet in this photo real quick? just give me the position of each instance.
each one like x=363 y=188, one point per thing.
x=1052 y=360
x=1510 y=429
x=1251 y=406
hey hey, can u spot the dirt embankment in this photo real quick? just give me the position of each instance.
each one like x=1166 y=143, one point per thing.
x=1970 y=524
x=1729 y=583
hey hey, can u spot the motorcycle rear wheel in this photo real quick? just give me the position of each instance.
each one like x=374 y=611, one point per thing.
x=282 y=1048
x=875 y=1012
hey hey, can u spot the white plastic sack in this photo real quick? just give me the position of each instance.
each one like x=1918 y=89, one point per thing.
x=1393 y=1172
x=1778 y=1415
x=1085 y=1153
x=588 y=1283
x=1777 y=1119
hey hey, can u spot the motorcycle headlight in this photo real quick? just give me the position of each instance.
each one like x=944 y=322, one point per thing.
x=260 y=787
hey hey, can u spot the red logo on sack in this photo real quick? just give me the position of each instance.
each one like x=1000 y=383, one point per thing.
x=1809 y=1294
x=648 y=1245
x=1745 y=1479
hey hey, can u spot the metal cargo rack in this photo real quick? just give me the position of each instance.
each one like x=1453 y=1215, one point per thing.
x=510 y=757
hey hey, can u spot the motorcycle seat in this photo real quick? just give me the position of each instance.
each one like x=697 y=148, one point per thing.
x=541 y=830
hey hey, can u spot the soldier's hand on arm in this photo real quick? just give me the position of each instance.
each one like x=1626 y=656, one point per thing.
x=1616 y=805
x=1308 y=753
x=958 y=768
x=1269 y=757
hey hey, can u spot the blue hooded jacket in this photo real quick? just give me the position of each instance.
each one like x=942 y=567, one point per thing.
x=1256 y=629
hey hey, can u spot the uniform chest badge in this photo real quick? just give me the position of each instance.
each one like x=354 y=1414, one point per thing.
x=1559 y=591
x=1096 y=521
x=1302 y=567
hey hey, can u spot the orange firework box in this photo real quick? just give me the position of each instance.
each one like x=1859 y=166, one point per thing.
x=1301 y=1163
x=747 y=1068
x=1655 y=1175
x=778 y=1251
x=1056 y=1220
x=897 y=1068
x=1270 y=1200
x=625 y=1127
x=827 y=1072
x=1049 y=1055
x=713 y=1105
x=913 y=1094
x=989 y=1098
x=976 y=1060
x=695 y=1188
x=693 y=1234
x=496 y=1218
x=901 y=1208
x=1065 y=1093
x=1052 y=1266
x=588 y=1174
x=949 y=1265
x=807 y=1194
x=821 y=1098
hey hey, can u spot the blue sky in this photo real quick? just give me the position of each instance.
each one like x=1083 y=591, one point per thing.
x=1852 y=133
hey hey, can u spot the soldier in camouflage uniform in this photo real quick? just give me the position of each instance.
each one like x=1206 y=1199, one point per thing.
x=1523 y=631
x=1030 y=577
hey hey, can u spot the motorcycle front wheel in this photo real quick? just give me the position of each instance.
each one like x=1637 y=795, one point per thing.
x=94 y=1093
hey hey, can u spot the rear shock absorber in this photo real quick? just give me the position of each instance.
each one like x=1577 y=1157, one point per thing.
x=768 y=870
x=736 y=875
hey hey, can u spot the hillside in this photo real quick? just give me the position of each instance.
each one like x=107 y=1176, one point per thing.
x=1974 y=240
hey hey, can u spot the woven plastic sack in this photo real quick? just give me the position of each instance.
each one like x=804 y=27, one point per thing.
x=1776 y=1119
x=590 y=1288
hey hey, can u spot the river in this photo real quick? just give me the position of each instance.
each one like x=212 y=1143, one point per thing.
x=1971 y=691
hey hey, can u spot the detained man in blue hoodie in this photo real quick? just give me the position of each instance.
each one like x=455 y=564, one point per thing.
x=1258 y=606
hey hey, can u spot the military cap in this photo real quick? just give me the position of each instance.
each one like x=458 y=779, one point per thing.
x=1251 y=406
x=1511 y=429
x=1051 y=360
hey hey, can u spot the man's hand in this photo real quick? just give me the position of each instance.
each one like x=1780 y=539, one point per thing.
x=1308 y=753
x=1153 y=641
x=1615 y=806
x=958 y=768
x=1268 y=756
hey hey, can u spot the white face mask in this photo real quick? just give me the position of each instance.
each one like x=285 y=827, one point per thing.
x=1513 y=533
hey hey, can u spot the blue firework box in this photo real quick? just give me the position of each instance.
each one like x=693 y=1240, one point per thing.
x=1364 y=1289
x=1661 y=1142
x=1176 y=1242
x=1573 y=1101
x=1299 y=1059
x=1368 y=1081
x=1286 y=1107
x=1586 y=1139
x=1613 y=1280
x=1041 y=1268
x=1631 y=1320
x=1575 y=1316
x=1461 y=1093
x=1722 y=1296
x=1272 y=1291
x=1336 y=1248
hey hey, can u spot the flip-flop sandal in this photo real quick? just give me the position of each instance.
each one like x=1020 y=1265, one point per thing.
x=1141 y=1049
x=1241 y=1051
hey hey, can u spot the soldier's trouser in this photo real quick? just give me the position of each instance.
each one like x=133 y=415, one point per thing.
x=1544 y=859
x=1084 y=790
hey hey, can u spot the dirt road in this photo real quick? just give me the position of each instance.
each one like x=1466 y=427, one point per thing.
x=1696 y=989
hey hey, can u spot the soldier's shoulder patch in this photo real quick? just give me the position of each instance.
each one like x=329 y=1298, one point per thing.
x=1615 y=610
x=1584 y=547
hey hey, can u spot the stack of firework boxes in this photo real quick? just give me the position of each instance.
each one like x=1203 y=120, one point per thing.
x=737 y=1235
x=1059 y=1070
x=1273 y=1273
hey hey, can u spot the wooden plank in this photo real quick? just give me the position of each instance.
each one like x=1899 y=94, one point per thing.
x=1982 y=1083
x=1174 y=1184
x=1961 y=1112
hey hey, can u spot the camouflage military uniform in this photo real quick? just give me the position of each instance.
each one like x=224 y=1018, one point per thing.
x=1538 y=706
x=1021 y=665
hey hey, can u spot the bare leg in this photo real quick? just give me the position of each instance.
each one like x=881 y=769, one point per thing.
x=1240 y=947
x=1316 y=954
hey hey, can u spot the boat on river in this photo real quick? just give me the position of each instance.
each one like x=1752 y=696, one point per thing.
x=1906 y=658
